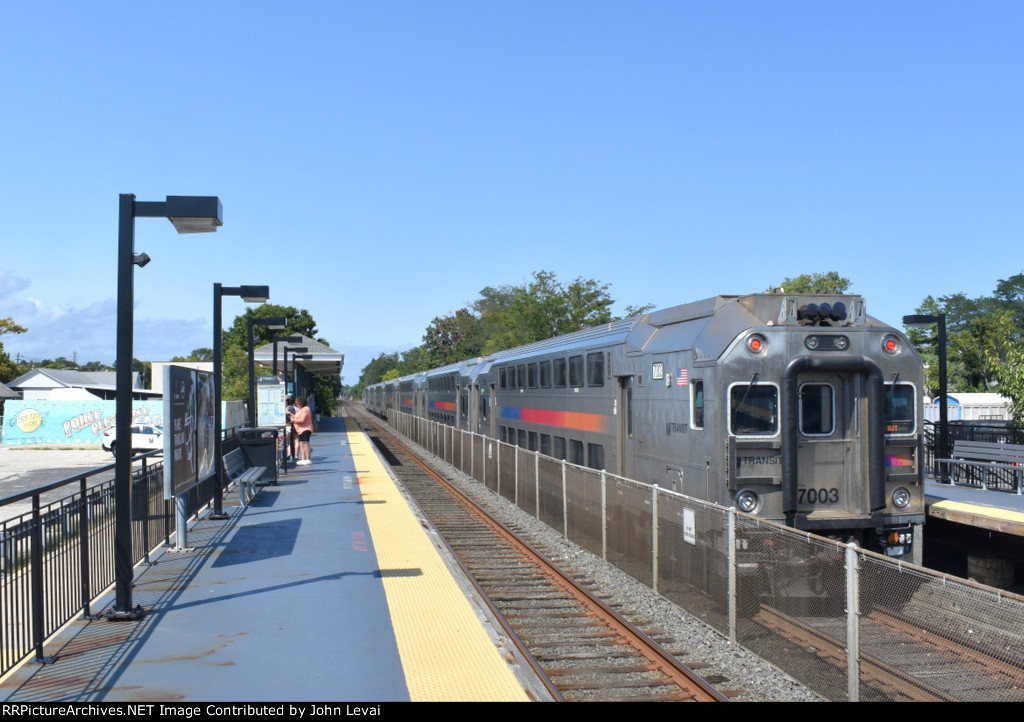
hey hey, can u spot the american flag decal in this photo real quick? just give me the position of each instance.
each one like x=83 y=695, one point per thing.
x=681 y=380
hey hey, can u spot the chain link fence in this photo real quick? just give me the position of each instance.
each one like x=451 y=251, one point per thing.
x=850 y=624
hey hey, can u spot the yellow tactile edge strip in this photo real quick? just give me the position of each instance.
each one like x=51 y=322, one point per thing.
x=987 y=517
x=446 y=653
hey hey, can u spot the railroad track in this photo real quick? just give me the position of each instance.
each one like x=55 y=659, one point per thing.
x=581 y=648
x=945 y=669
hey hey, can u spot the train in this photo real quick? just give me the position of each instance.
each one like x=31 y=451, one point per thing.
x=797 y=408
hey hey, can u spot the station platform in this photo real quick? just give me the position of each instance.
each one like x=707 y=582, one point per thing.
x=327 y=587
x=991 y=510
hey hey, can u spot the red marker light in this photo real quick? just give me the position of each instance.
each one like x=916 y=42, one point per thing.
x=755 y=344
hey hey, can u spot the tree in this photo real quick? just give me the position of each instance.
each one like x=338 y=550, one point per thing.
x=454 y=337
x=982 y=334
x=202 y=354
x=540 y=309
x=8 y=369
x=830 y=282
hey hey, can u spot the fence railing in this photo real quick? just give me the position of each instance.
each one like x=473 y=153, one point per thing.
x=829 y=614
x=57 y=557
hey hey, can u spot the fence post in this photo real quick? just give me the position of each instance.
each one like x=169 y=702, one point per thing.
x=536 y=483
x=731 y=551
x=515 y=491
x=497 y=481
x=604 y=516
x=36 y=580
x=654 y=537
x=83 y=545
x=565 y=506
x=852 y=624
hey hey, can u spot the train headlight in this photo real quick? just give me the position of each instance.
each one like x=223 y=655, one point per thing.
x=901 y=498
x=891 y=344
x=756 y=343
x=748 y=501
x=841 y=343
x=811 y=342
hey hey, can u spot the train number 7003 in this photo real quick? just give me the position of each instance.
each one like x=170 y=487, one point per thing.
x=818 y=496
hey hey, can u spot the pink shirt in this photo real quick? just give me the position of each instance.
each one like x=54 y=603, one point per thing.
x=303 y=420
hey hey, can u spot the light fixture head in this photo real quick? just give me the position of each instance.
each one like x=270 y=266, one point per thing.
x=275 y=323
x=141 y=259
x=254 y=294
x=195 y=214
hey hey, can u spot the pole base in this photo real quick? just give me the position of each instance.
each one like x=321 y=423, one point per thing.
x=132 y=615
x=217 y=517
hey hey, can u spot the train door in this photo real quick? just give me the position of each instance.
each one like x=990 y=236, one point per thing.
x=493 y=413
x=829 y=462
x=625 y=415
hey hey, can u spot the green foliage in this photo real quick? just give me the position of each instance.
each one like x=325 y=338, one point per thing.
x=9 y=370
x=500 y=318
x=540 y=309
x=829 y=282
x=982 y=338
x=202 y=354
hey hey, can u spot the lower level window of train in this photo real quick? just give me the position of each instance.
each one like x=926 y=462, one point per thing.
x=595 y=456
x=754 y=410
x=545 y=444
x=576 y=452
x=899 y=408
x=560 y=448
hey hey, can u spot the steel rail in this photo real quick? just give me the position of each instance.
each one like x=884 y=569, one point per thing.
x=659 y=659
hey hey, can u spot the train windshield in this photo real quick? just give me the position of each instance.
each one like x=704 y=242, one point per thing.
x=754 y=410
x=899 y=408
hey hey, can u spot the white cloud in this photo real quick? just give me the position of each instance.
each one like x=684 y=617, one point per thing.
x=11 y=284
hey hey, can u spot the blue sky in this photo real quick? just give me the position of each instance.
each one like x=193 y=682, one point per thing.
x=381 y=162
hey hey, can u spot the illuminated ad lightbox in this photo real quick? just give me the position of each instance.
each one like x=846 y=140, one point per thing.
x=189 y=428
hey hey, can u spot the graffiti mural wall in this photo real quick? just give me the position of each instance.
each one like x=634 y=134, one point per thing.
x=68 y=422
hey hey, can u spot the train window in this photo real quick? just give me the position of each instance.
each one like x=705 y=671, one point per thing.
x=545 y=444
x=817 y=410
x=522 y=438
x=502 y=378
x=754 y=409
x=483 y=407
x=697 y=404
x=545 y=374
x=558 y=372
x=900 y=408
x=464 y=405
x=531 y=375
x=521 y=376
x=576 y=452
x=533 y=441
x=576 y=371
x=559 y=447
x=595 y=369
x=595 y=456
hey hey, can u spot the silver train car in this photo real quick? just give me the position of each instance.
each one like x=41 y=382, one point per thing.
x=796 y=408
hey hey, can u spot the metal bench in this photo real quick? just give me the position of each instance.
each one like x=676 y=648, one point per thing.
x=987 y=464
x=237 y=467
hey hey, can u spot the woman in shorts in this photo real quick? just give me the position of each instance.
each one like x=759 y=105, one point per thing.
x=302 y=422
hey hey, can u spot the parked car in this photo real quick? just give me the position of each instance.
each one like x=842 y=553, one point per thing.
x=145 y=437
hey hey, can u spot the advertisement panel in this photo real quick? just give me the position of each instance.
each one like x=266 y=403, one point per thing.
x=189 y=445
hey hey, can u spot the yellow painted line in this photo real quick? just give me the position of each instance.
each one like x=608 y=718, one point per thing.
x=985 y=517
x=446 y=653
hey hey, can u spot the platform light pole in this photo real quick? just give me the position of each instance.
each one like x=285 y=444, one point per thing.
x=188 y=214
x=295 y=350
x=920 y=321
x=249 y=294
x=286 y=339
x=275 y=323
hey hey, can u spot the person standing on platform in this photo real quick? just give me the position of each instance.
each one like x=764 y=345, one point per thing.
x=289 y=410
x=302 y=422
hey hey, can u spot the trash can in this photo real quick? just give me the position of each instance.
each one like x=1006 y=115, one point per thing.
x=260 y=448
